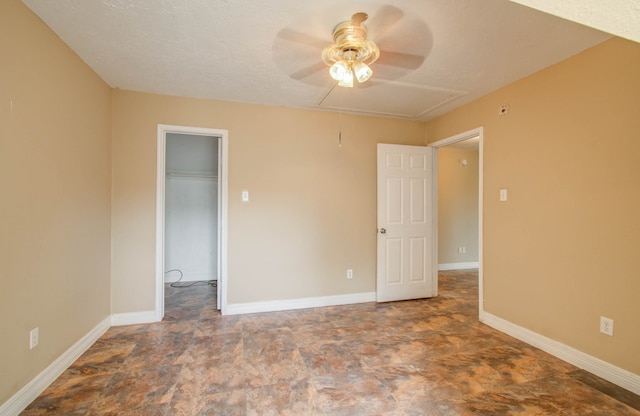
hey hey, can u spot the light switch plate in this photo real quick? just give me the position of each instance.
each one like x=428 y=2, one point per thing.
x=503 y=195
x=245 y=196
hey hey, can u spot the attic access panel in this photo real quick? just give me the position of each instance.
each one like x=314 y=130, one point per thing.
x=390 y=99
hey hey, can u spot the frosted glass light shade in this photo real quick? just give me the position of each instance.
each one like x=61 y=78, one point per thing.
x=362 y=72
x=347 y=79
x=339 y=70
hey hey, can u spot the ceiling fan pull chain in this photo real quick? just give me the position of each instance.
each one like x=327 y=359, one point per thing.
x=340 y=122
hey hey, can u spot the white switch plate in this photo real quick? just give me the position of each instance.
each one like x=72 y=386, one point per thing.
x=34 y=338
x=503 y=195
x=245 y=196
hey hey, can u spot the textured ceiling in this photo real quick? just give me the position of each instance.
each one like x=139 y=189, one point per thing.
x=619 y=17
x=268 y=51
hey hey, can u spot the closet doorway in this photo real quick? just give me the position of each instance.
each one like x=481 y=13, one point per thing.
x=192 y=200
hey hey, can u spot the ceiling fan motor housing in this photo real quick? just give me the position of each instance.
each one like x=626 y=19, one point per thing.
x=351 y=44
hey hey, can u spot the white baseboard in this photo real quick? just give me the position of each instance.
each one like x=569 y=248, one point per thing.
x=610 y=372
x=19 y=401
x=458 y=266
x=133 y=318
x=301 y=303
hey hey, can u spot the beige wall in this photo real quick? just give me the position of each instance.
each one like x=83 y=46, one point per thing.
x=312 y=209
x=457 y=205
x=563 y=250
x=558 y=254
x=55 y=184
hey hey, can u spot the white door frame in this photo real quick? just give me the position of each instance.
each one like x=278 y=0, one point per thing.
x=223 y=156
x=478 y=132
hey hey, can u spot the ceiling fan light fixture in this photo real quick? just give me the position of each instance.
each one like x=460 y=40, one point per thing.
x=362 y=72
x=347 y=79
x=338 y=70
x=351 y=54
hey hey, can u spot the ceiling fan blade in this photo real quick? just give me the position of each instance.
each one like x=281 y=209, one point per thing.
x=308 y=71
x=358 y=18
x=383 y=20
x=302 y=38
x=399 y=59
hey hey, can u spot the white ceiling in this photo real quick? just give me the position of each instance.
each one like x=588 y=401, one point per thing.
x=619 y=17
x=437 y=54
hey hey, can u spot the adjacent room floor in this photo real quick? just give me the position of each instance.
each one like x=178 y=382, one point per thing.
x=423 y=357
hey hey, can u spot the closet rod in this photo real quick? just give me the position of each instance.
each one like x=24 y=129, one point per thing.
x=192 y=175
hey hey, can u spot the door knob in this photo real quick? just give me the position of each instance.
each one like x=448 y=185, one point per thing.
x=383 y=230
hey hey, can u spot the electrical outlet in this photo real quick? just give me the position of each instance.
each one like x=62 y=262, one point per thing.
x=606 y=326
x=349 y=273
x=33 y=338
x=464 y=250
x=459 y=250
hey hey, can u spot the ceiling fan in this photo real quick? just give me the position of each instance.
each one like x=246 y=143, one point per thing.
x=351 y=53
x=390 y=43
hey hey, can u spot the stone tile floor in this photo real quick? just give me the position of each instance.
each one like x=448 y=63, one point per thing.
x=422 y=357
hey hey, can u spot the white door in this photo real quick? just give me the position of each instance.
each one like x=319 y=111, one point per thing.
x=406 y=251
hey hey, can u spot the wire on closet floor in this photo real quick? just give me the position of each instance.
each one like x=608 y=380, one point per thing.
x=212 y=283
